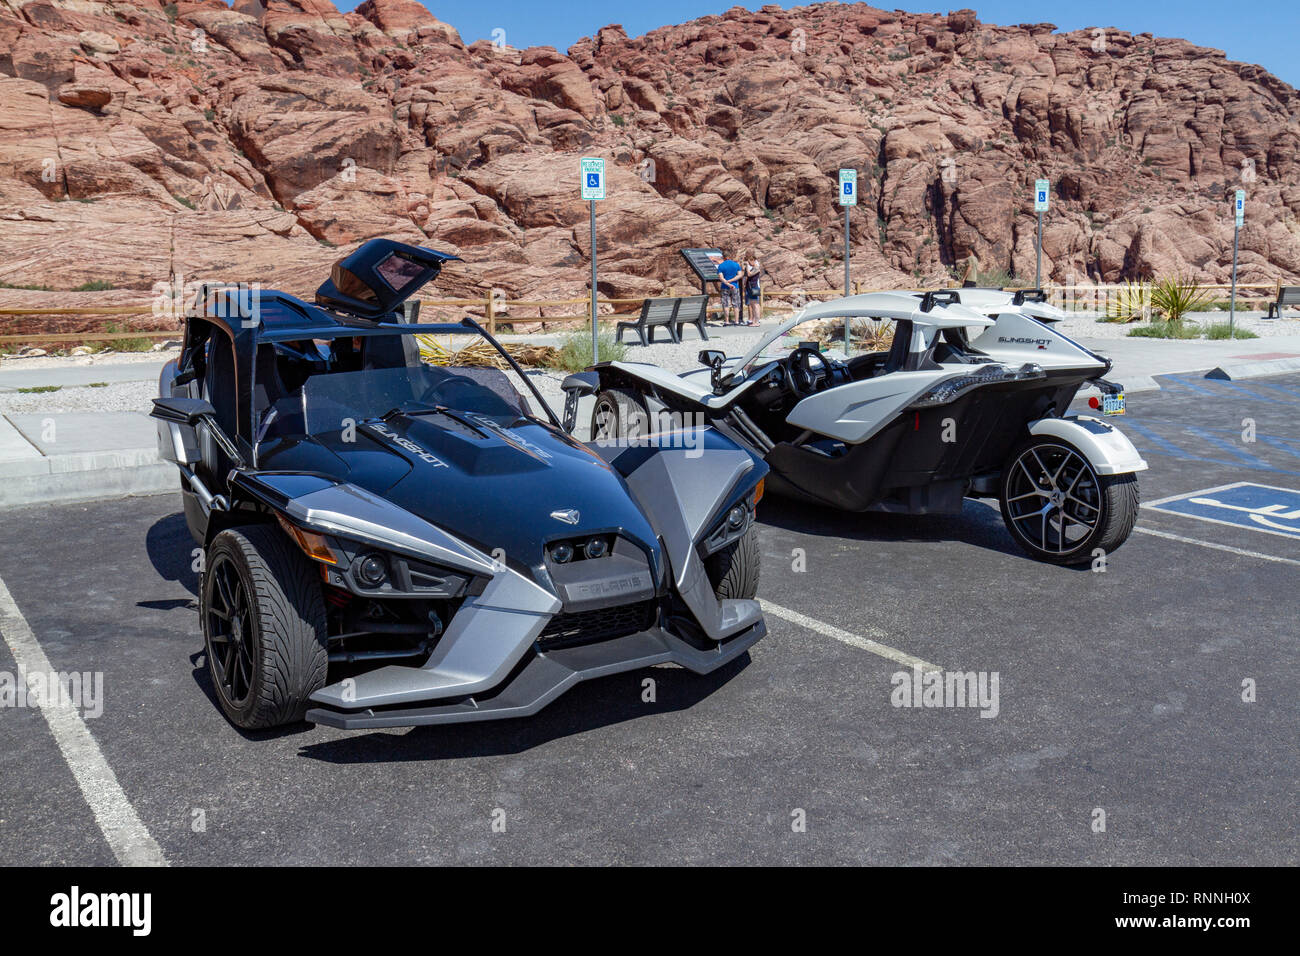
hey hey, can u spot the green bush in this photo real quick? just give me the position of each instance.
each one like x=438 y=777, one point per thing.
x=126 y=344
x=993 y=278
x=96 y=285
x=575 y=351
x=1220 y=330
x=1166 y=330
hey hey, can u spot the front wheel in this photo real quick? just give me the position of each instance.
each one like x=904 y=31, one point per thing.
x=263 y=625
x=733 y=571
x=1059 y=509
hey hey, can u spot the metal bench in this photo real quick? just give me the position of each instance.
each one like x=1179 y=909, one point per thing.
x=1287 y=296
x=692 y=310
x=654 y=313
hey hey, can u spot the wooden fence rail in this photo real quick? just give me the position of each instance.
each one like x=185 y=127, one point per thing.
x=495 y=310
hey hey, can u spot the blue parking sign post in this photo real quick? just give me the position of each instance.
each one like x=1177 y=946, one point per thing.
x=848 y=199
x=1042 y=191
x=593 y=188
x=1239 y=217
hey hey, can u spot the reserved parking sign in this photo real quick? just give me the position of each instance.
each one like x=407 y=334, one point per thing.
x=593 y=178
x=848 y=187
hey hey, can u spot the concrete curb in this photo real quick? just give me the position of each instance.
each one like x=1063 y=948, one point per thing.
x=1231 y=373
x=80 y=479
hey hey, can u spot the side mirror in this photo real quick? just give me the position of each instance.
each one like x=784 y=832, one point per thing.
x=182 y=411
x=574 y=387
x=582 y=383
x=712 y=358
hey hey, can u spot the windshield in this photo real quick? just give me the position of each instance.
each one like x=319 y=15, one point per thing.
x=373 y=393
x=317 y=387
x=867 y=335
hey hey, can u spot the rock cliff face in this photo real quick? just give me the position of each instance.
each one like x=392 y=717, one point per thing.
x=139 y=140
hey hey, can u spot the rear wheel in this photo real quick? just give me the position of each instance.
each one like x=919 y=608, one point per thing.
x=619 y=413
x=1059 y=509
x=733 y=571
x=263 y=626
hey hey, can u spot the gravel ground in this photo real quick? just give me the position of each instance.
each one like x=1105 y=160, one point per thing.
x=116 y=397
x=101 y=358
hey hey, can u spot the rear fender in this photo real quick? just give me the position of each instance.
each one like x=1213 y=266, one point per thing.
x=1107 y=448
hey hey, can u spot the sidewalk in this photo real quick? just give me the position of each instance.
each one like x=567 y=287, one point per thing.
x=56 y=456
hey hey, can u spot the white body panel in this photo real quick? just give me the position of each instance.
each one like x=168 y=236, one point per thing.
x=1107 y=449
x=1016 y=338
x=853 y=413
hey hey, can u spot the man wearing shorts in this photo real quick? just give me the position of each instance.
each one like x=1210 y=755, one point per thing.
x=729 y=282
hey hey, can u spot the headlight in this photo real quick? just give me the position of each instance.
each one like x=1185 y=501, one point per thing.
x=371 y=570
x=562 y=553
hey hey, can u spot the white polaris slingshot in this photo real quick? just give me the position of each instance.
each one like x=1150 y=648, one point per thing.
x=968 y=401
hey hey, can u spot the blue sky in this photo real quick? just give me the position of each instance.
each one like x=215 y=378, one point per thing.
x=1256 y=31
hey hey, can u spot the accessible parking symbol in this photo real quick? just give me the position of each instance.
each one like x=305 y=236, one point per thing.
x=1243 y=504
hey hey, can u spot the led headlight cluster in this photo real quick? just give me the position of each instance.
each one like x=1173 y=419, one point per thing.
x=562 y=552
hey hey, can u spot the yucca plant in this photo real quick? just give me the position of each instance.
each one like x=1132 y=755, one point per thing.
x=1131 y=302
x=1175 y=296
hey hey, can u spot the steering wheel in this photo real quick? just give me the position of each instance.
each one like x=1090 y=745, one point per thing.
x=453 y=392
x=804 y=379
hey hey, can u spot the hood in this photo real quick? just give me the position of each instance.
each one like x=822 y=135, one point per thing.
x=493 y=483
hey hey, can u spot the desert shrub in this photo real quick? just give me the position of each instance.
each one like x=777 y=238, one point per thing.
x=575 y=351
x=1131 y=302
x=1175 y=296
x=1220 y=330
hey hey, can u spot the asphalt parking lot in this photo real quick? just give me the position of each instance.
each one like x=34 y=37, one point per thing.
x=1119 y=691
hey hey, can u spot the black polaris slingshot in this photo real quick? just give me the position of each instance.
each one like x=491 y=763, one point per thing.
x=391 y=543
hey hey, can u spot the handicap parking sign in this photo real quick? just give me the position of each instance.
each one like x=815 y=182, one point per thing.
x=1042 y=190
x=848 y=187
x=593 y=178
x=1242 y=504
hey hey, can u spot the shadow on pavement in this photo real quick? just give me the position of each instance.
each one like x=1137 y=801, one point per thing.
x=171 y=552
x=979 y=525
x=589 y=706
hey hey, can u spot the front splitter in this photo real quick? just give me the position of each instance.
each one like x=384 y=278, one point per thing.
x=548 y=675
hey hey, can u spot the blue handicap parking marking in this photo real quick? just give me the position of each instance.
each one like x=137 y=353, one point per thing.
x=1242 y=504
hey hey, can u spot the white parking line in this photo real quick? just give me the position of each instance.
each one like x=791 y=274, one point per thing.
x=846 y=637
x=126 y=835
x=1217 y=547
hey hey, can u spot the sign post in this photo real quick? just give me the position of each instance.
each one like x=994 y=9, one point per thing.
x=1042 y=190
x=593 y=188
x=848 y=199
x=1239 y=207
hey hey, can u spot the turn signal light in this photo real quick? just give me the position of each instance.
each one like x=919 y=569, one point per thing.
x=313 y=545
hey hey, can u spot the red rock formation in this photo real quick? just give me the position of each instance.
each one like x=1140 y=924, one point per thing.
x=139 y=139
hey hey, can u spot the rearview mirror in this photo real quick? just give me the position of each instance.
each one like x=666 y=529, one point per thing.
x=181 y=410
x=712 y=358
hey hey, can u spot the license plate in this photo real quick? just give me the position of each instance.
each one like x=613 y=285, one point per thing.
x=1112 y=404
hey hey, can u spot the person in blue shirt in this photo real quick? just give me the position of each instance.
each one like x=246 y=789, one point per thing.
x=729 y=282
